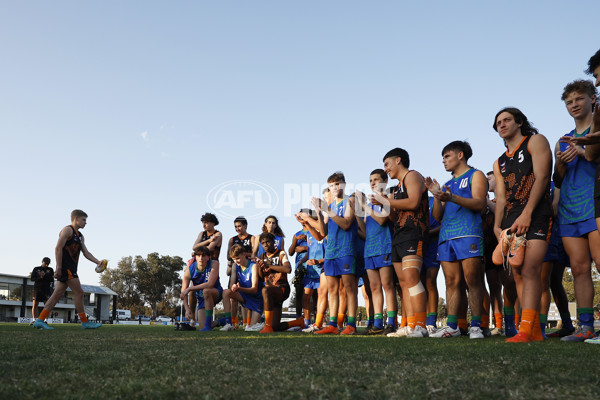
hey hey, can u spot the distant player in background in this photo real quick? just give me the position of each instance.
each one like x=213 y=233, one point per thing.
x=315 y=277
x=299 y=247
x=43 y=278
x=201 y=280
x=70 y=244
x=430 y=271
x=553 y=269
x=271 y=225
x=493 y=273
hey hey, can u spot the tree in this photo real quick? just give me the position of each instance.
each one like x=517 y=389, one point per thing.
x=122 y=280
x=158 y=278
x=153 y=280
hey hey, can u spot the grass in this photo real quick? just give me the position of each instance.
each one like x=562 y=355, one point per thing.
x=153 y=362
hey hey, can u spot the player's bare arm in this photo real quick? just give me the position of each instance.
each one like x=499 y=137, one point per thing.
x=86 y=252
x=500 y=200
x=323 y=218
x=415 y=186
x=346 y=221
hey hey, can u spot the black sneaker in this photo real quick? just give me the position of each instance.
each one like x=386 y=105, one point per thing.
x=186 y=327
x=464 y=332
x=562 y=332
x=388 y=329
x=376 y=331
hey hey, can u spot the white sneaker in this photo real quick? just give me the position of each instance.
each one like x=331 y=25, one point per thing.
x=227 y=328
x=418 y=332
x=475 y=333
x=401 y=332
x=431 y=329
x=259 y=326
x=446 y=332
x=311 y=329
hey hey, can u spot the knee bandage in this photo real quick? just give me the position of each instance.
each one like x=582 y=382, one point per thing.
x=416 y=290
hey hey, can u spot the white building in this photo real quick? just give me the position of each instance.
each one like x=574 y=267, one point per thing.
x=16 y=293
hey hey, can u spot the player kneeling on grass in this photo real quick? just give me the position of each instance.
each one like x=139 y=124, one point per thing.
x=70 y=244
x=244 y=290
x=202 y=278
x=273 y=267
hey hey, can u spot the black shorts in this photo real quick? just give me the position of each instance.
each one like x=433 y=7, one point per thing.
x=67 y=274
x=279 y=300
x=540 y=229
x=407 y=248
x=41 y=294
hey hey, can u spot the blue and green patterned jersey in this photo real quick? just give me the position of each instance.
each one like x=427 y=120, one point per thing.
x=459 y=221
x=301 y=242
x=576 y=202
x=316 y=251
x=378 y=237
x=340 y=243
x=244 y=276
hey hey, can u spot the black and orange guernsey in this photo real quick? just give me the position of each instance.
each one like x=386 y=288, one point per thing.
x=214 y=253
x=517 y=171
x=70 y=256
x=410 y=225
x=273 y=278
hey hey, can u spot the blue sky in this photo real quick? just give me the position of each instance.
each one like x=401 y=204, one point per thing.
x=134 y=111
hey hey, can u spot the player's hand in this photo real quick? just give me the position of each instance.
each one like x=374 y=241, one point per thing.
x=58 y=273
x=316 y=202
x=301 y=237
x=188 y=314
x=311 y=262
x=184 y=293
x=235 y=287
x=521 y=224
x=444 y=196
x=432 y=185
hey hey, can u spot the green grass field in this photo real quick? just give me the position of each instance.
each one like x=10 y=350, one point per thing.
x=151 y=362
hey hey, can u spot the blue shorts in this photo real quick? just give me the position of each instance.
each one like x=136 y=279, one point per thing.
x=556 y=252
x=253 y=301
x=310 y=283
x=380 y=261
x=578 y=229
x=340 y=266
x=200 y=298
x=460 y=249
x=430 y=257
